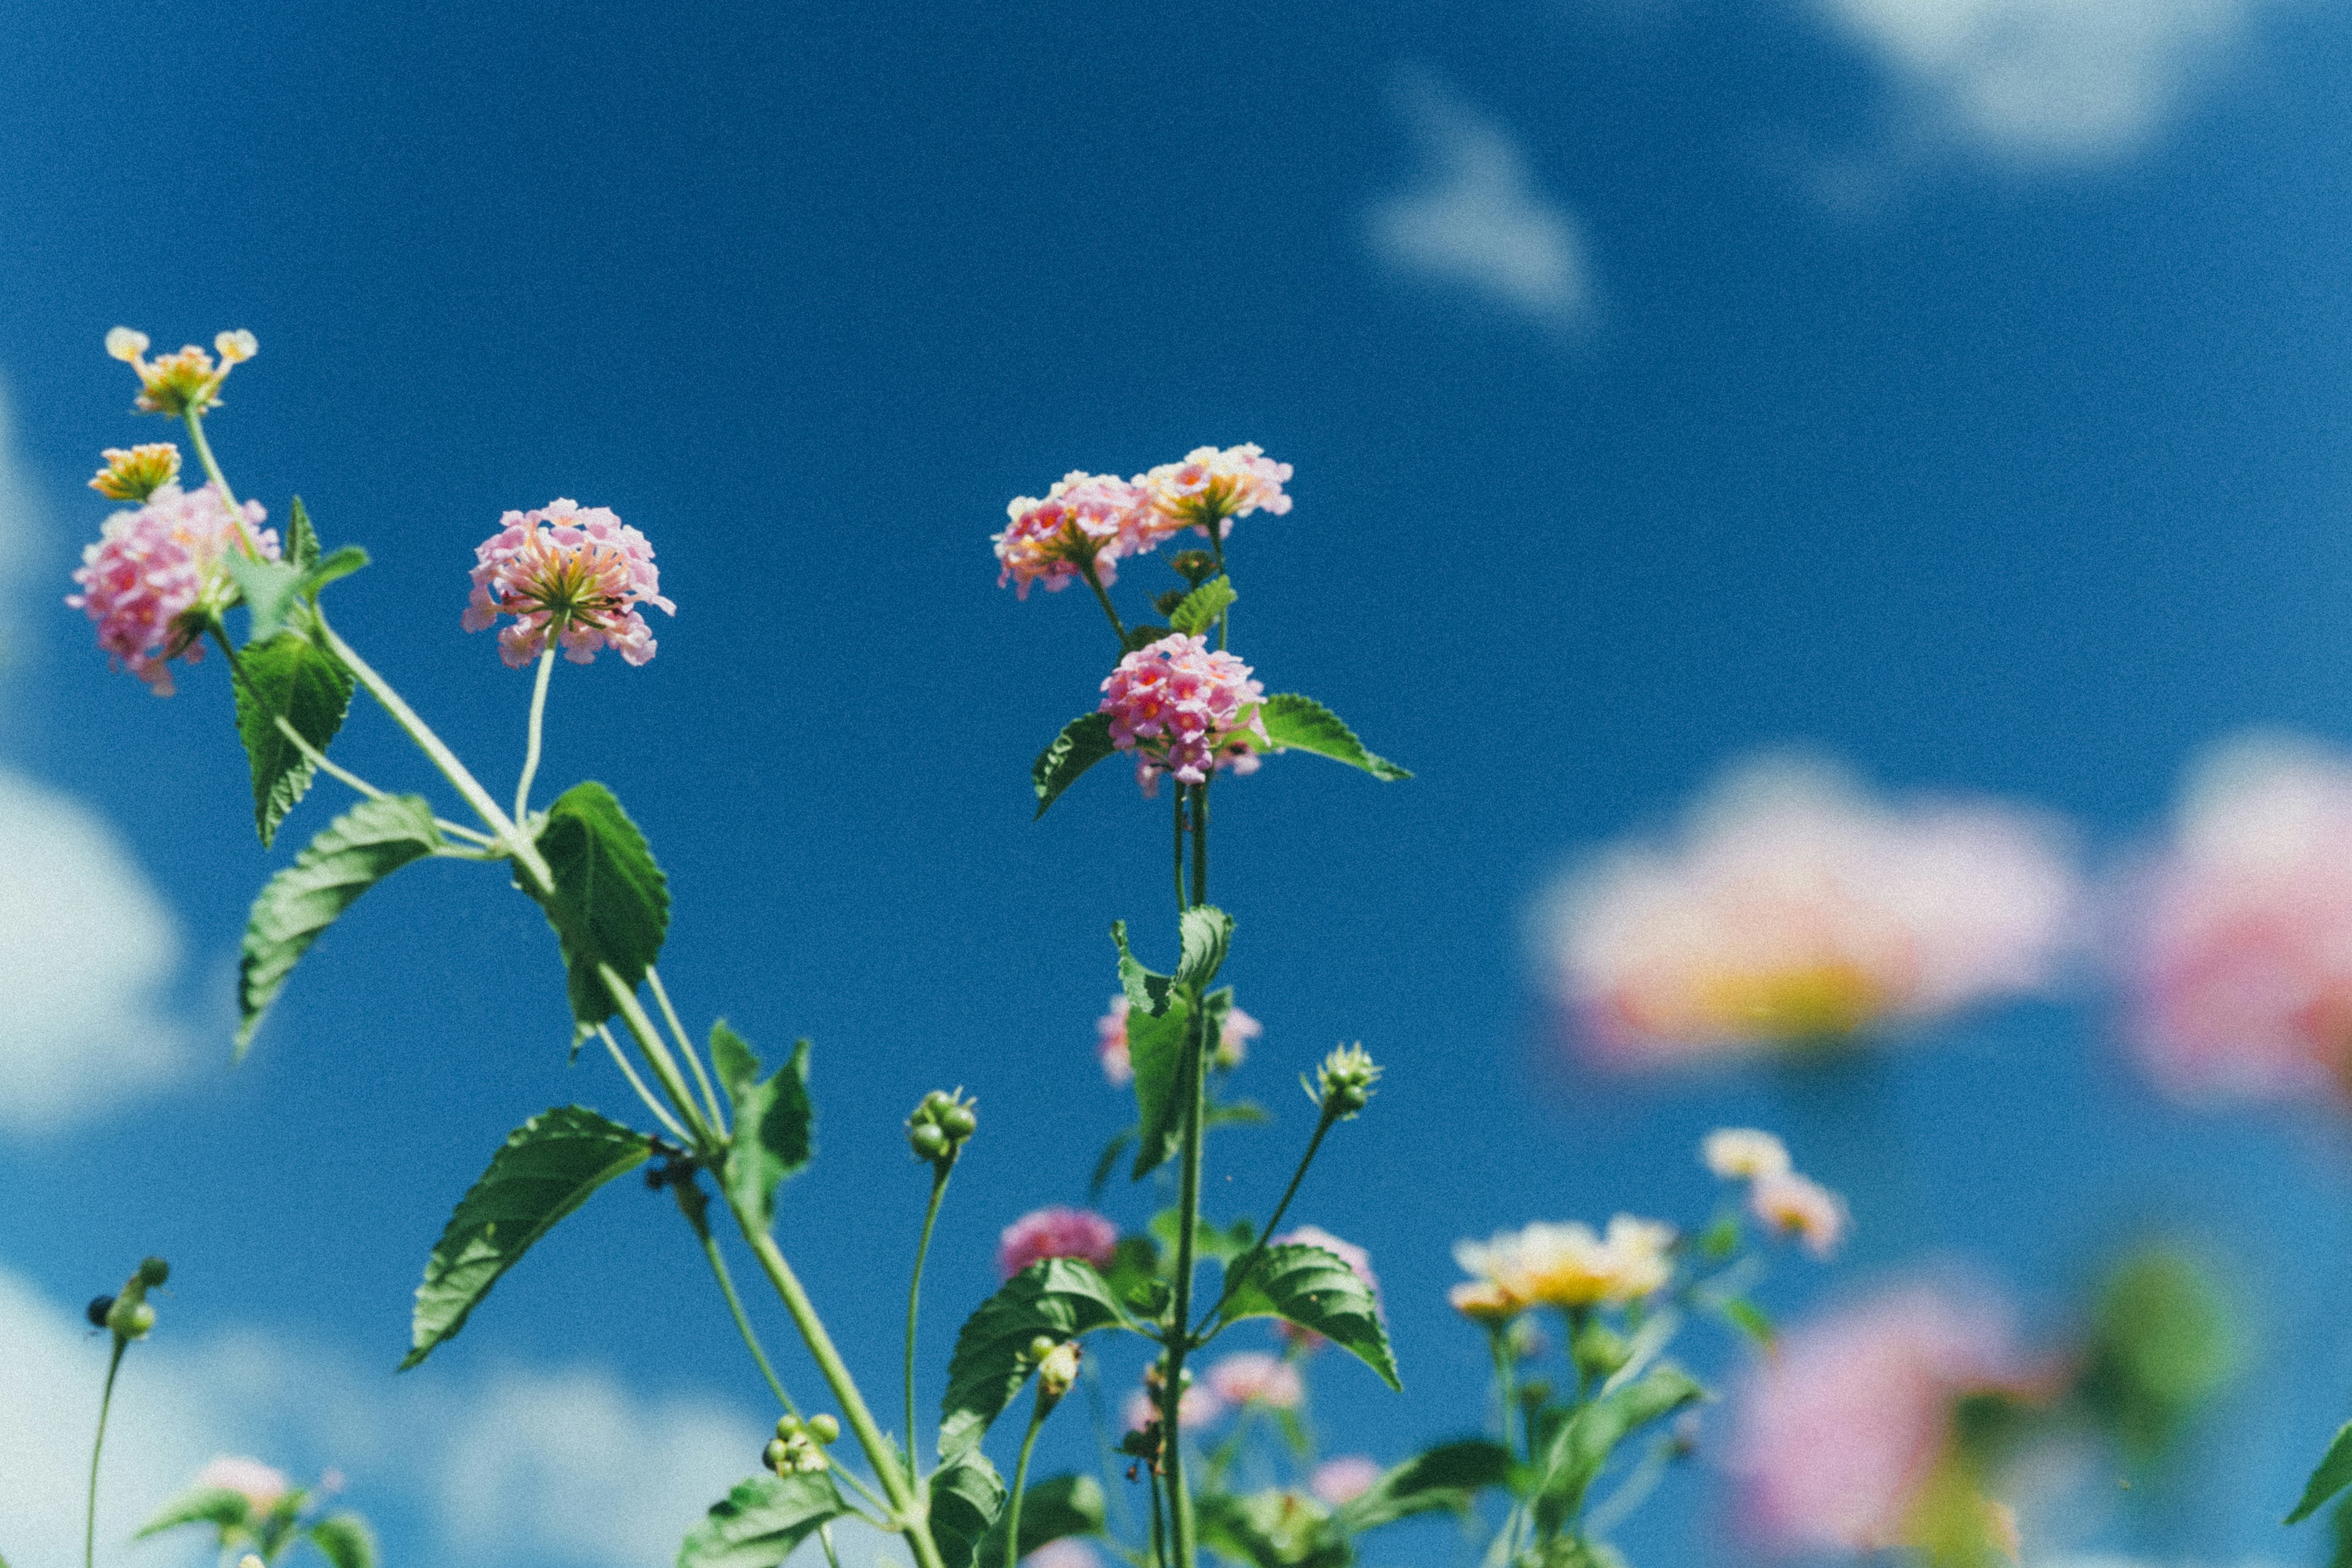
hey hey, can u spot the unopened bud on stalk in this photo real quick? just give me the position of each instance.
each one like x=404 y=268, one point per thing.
x=130 y=1319
x=940 y=1126
x=1057 y=1369
x=824 y=1428
x=1599 y=1350
x=1343 y=1085
x=793 y=1450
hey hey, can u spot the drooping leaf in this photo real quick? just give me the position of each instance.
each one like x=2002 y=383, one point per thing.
x=1051 y=1509
x=1448 y=1477
x=773 y=1121
x=1315 y=1289
x=966 y=1494
x=611 y=903
x=286 y=677
x=549 y=1166
x=356 y=851
x=1301 y=723
x=203 y=1505
x=1205 y=933
x=301 y=539
x=1062 y=1298
x=1202 y=606
x=1583 y=1444
x=344 y=1539
x=2333 y=1474
x=1159 y=1024
x=760 y=1522
x=1083 y=742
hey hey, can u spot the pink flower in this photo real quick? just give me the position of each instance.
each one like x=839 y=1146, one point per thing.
x=1055 y=1233
x=154 y=570
x=1253 y=1377
x=1341 y=1481
x=1064 y=1551
x=1198 y=1408
x=1085 y=519
x=260 y=1485
x=1791 y=1204
x=1210 y=487
x=1175 y=703
x=581 y=573
x=1110 y=1044
x=1796 y=908
x=1840 y=1432
x=1234 y=1039
x=2238 y=947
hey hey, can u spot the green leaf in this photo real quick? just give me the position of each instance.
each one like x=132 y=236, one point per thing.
x=1206 y=934
x=1272 y=1528
x=760 y=1521
x=1203 y=605
x=2339 y=1523
x=1050 y=1511
x=1585 y=1441
x=547 y=1167
x=611 y=903
x=301 y=539
x=204 y=1505
x=1107 y=1160
x=341 y=563
x=1301 y=723
x=1159 y=1023
x=1083 y=742
x=1062 y=1298
x=1448 y=1477
x=2333 y=1474
x=1316 y=1290
x=270 y=589
x=966 y=1494
x=356 y=851
x=286 y=677
x=1750 y=1319
x=1222 y=1243
x=344 y=1539
x=772 y=1123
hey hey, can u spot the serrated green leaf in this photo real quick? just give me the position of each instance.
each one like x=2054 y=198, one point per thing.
x=1316 y=1290
x=1448 y=1476
x=1159 y=1024
x=1083 y=742
x=760 y=1521
x=1061 y=1298
x=549 y=1167
x=2333 y=1474
x=1301 y=723
x=339 y=563
x=1051 y=1509
x=344 y=1539
x=268 y=589
x=291 y=678
x=773 y=1122
x=1206 y=934
x=203 y=1505
x=610 y=902
x=966 y=1494
x=356 y=851
x=301 y=539
x=1583 y=1444
x=1202 y=606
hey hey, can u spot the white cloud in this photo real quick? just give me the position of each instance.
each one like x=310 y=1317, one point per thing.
x=1478 y=220
x=548 y=1467
x=2046 y=82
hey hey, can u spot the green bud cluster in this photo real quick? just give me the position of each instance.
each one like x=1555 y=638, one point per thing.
x=127 y=1315
x=1343 y=1085
x=1057 y=1367
x=939 y=1125
x=798 y=1447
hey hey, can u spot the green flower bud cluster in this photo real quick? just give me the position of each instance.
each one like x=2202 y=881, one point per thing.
x=1343 y=1085
x=798 y=1447
x=1057 y=1368
x=937 y=1130
x=127 y=1315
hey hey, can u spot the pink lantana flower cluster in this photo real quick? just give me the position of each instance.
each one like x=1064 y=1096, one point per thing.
x=1253 y=1377
x=1184 y=709
x=1210 y=488
x=153 y=574
x=1118 y=1067
x=1055 y=1233
x=577 y=571
x=1089 y=523
x=1784 y=1201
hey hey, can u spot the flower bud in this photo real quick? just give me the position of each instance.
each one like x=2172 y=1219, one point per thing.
x=938 y=1126
x=774 y=1454
x=1195 y=566
x=788 y=1426
x=1056 y=1369
x=824 y=1428
x=153 y=1271
x=1041 y=1347
x=134 y=474
x=1343 y=1086
x=1599 y=1350
x=98 y=1311
x=130 y=1319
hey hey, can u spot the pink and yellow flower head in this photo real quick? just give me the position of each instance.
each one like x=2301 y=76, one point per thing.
x=1790 y=1205
x=155 y=574
x=136 y=473
x=1055 y=1233
x=578 y=572
x=2236 y=945
x=184 y=382
x=1253 y=1377
x=1210 y=488
x=260 y=1485
x=1565 y=1266
x=1085 y=520
x=1175 y=703
x=1341 y=1481
x=1797 y=910
x=1740 y=1153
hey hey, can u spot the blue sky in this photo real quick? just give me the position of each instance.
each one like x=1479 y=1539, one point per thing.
x=1954 y=388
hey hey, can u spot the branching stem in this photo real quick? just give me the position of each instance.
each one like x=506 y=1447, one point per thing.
x=686 y=1047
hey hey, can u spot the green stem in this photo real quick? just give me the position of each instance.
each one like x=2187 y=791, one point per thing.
x=718 y=1270
x=538 y=725
x=1021 y=1480
x=701 y=1139
x=910 y=1518
x=195 y=424
x=1217 y=543
x=825 y=1538
x=1180 y=905
x=1159 y=1527
x=1240 y=1272
x=686 y=1048
x=940 y=1173
x=105 y=1404
x=1505 y=1380
x=1200 y=793
x=621 y=1060
x=1086 y=570
x=1193 y=1076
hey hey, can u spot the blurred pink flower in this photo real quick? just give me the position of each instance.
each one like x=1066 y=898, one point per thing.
x=1084 y=518
x=1253 y=1377
x=1175 y=703
x=149 y=568
x=1199 y=1408
x=1794 y=907
x=1341 y=1481
x=1234 y=1039
x=1210 y=488
x=260 y=1485
x=1793 y=1205
x=1055 y=1233
x=2237 y=936
x=1067 y=1552
x=1840 y=1432
x=580 y=570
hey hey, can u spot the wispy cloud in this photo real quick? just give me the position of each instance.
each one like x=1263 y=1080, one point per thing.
x=2042 y=83
x=1478 y=222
